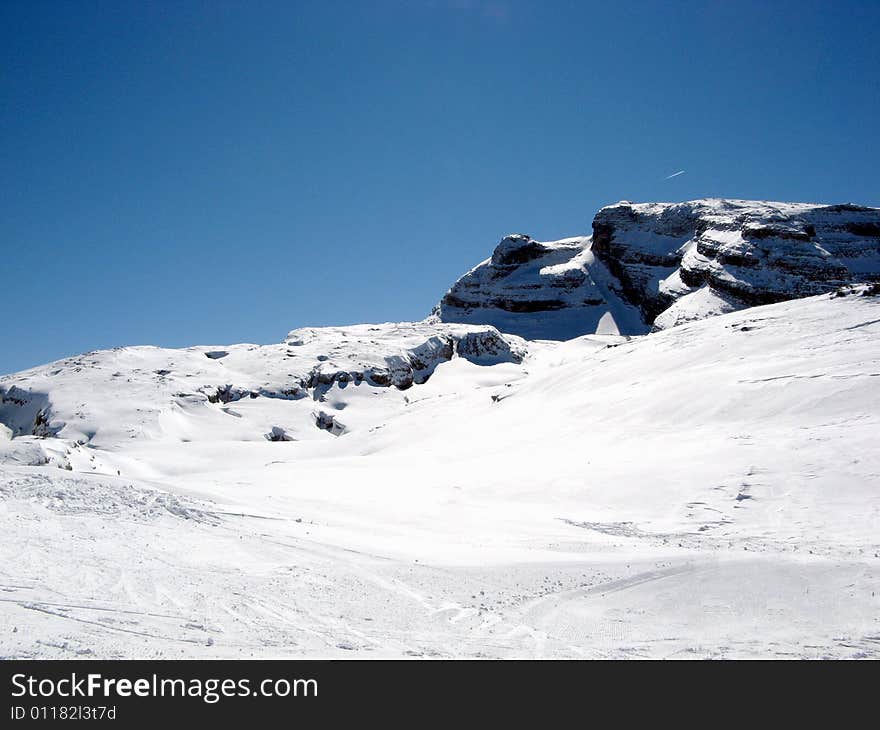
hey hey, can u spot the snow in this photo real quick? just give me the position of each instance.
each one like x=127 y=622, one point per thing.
x=709 y=490
x=698 y=304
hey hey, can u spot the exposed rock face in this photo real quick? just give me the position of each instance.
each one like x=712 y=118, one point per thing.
x=661 y=264
x=722 y=255
x=399 y=355
x=487 y=347
x=28 y=412
x=278 y=434
x=326 y=422
x=540 y=290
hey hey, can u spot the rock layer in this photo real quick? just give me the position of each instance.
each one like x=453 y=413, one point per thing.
x=540 y=290
x=746 y=252
x=661 y=264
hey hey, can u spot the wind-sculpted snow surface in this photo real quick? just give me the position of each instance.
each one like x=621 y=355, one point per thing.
x=661 y=264
x=710 y=490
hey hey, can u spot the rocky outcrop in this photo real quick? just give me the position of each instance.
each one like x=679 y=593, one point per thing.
x=26 y=412
x=276 y=433
x=539 y=290
x=661 y=264
x=487 y=347
x=326 y=422
x=396 y=355
x=729 y=254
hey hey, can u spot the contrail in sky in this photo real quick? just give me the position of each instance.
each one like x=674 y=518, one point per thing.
x=674 y=174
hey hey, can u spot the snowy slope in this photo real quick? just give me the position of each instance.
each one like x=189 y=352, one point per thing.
x=708 y=490
x=318 y=384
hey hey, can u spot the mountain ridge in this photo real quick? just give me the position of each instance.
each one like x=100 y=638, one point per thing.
x=653 y=265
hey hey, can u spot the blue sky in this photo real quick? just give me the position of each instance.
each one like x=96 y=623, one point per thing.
x=177 y=173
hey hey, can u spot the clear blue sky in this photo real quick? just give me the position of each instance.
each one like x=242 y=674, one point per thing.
x=179 y=172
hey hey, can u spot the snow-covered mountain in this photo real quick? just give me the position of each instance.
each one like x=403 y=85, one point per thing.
x=329 y=380
x=451 y=488
x=660 y=264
